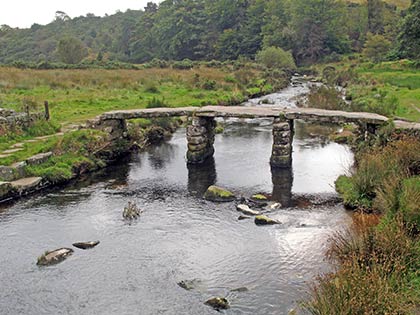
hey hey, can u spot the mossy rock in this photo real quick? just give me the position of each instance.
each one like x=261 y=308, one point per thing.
x=259 y=197
x=218 y=194
x=218 y=303
x=264 y=220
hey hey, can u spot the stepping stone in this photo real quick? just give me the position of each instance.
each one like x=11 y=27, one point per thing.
x=18 y=145
x=26 y=184
x=39 y=158
x=12 y=150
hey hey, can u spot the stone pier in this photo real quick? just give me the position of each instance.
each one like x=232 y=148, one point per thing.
x=200 y=138
x=281 y=155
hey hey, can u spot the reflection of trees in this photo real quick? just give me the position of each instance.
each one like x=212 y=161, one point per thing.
x=313 y=135
x=282 y=179
x=161 y=155
x=201 y=176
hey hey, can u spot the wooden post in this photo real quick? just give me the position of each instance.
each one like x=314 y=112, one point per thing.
x=47 y=111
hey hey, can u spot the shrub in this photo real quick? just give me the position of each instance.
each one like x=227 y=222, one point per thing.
x=275 y=57
x=156 y=103
x=376 y=47
x=209 y=85
x=185 y=64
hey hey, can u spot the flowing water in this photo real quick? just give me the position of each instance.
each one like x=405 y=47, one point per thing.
x=136 y=267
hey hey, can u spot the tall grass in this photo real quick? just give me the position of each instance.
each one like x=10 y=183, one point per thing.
x=378 y=259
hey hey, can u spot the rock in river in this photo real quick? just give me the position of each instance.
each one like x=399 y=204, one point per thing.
x=54 y=257
x=247 y=210
x=131 y=211
x=264 y=220
x=259 y=198
x=86 y=245
x=218 y=194
x=218 y=303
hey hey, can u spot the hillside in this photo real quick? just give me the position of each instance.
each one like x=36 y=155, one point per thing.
x=206 y=30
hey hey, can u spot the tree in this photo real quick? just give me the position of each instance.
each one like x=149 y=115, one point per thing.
x=376 y=47
x=71 y=50
x=375 y=16
x=274 y=57
x=319 y=29
x=409 y=37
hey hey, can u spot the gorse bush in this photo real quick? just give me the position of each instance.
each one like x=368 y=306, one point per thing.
x=275 y=57
x=156 y=103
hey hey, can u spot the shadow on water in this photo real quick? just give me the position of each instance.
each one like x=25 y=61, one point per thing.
x=201 y=176
x=282 y=185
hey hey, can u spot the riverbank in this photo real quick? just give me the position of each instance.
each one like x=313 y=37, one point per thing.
x=77 y=95
x=377 y=261
x=386 y=88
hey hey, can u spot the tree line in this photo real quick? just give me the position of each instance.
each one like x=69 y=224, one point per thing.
x=312 y=30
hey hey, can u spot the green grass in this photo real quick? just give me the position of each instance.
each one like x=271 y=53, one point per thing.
x=77 y=95
x=398 y=82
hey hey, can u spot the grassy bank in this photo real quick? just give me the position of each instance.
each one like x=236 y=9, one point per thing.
x=388 y=88
x=378 y=260
x=77 y=95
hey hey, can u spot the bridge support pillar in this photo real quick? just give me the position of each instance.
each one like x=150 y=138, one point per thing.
x=281 y=155
x=200 y=138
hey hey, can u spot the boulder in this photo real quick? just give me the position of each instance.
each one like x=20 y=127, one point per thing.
x=218 y=194
x=218 y=303
x=86 y=245
x=131 y=211
x=264 y=220
x=54 y=257
x=247 y=210
x=274 y=206
x=243 y=217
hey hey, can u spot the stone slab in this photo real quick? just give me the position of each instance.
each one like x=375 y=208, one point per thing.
x=26 y=184
x=39 y=158
x=307 y=114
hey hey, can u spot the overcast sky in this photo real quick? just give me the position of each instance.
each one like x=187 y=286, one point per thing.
x=24 y=13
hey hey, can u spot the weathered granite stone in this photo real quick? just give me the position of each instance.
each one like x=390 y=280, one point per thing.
x=5 y=189
x=200 y=138
x=54 y=257
x=218 y=194
x=218 y=303
x=39 y=158
x=281 y=155
x=26 y=185
x=245 y=209
x=7 y=173
x=20 y=169
x=264 y=220
x=86 y=245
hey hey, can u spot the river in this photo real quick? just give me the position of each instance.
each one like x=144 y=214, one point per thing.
x=136 y=267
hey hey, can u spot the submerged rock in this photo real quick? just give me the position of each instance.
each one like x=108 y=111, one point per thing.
x=241 y=289
x=218 y=303
x=264 y=220
x=245 y=209
x=218 y=194
x=243 y=217
x=86 y=245
x=189 y=284
x=131 y=211
x=54 y=257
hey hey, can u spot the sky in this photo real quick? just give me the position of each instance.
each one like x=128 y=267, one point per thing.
x=24 y=13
